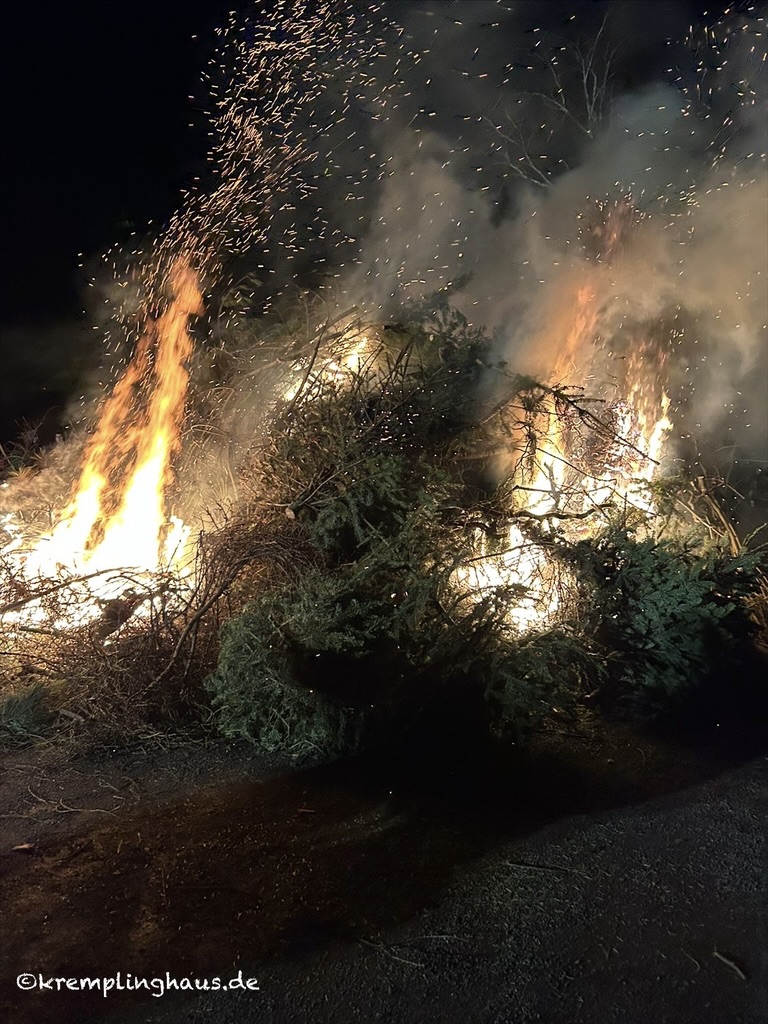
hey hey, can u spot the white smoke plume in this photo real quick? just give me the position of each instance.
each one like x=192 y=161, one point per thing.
x=494 y=172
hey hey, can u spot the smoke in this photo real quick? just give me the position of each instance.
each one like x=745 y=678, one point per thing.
x=544 y=159
x=556 y=154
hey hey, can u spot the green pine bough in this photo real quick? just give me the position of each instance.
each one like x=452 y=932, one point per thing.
x=385 y=473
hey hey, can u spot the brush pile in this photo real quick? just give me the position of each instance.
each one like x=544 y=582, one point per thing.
x=383 y=562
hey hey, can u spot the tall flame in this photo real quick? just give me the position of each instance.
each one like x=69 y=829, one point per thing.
x=117 y=517
x=565 y=482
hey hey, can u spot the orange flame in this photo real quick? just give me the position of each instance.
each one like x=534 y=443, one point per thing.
x=117 y=517
x=567 y=482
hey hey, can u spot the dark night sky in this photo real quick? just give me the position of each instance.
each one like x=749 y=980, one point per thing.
x=95 y=133
x=96 y=141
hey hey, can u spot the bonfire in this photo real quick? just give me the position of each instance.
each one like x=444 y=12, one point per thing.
x=411 y=506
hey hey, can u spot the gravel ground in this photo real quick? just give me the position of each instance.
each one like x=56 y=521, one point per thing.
x=653 y=913
x=611 y=878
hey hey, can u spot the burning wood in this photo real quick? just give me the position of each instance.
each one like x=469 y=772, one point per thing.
x=444 y=511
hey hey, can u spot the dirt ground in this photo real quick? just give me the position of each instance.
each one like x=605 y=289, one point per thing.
x=601 y=875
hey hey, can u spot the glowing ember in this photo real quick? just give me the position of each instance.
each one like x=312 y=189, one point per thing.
x=522 y=564
x=350 y=354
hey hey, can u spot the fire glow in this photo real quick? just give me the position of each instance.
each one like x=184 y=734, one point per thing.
x=116 y=524
x=569 y=483
x=273 y=146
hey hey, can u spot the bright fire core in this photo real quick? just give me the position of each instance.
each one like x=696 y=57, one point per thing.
x=573 y=482
x=117 y=519
x=117 y=525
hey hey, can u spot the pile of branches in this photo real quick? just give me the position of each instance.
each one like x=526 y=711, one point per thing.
x=396 y=472
x=133 y=669
x=331 y=603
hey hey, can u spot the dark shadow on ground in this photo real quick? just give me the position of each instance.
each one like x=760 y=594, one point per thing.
x=278 y=868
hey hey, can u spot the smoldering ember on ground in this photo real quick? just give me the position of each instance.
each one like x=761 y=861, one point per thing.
x=429 y=457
